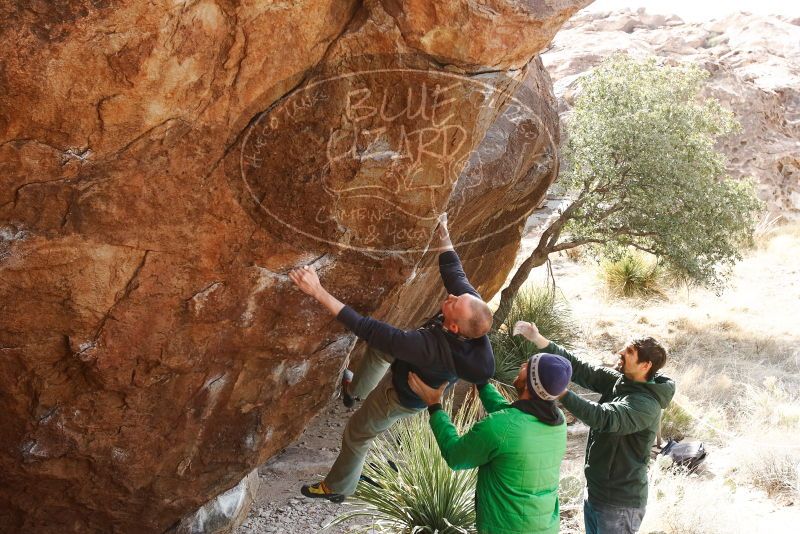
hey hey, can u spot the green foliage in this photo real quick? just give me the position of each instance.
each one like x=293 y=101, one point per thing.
x=676 y=422
x=540 y=305
x=418 y=492
x=643 y=170
x=633 y=275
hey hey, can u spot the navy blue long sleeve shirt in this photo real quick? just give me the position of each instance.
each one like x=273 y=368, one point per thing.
x=431 y=351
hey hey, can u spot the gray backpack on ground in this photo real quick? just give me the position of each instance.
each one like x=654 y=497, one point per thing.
x=688 y=454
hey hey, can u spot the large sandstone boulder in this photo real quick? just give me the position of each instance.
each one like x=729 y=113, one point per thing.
x=754 y=62
x=164 y=164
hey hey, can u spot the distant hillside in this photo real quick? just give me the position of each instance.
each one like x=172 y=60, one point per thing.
x=754 y=63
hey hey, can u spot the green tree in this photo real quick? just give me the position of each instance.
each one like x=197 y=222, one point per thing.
x=640 y=170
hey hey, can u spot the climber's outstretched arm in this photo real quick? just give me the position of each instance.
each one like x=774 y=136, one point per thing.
x=307 y=280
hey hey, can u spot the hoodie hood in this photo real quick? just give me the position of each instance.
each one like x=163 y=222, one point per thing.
x=661 y=388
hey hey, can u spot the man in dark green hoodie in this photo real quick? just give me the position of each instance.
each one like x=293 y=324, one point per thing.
x=623 y=426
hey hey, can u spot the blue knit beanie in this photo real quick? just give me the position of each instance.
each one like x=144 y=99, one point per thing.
x=548 y=375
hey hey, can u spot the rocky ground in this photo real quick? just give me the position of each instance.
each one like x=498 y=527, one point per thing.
x=279 y=507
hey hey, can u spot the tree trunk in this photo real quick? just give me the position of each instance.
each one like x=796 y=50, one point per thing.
x=538 y=257
x=548 y=243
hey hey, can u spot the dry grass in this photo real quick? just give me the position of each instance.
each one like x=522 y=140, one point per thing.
x=736 y=360
x=770 y=463
x=570 y=496
x=681 y=503
x=766 y=227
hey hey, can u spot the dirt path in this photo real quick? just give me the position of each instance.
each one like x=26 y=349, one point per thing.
x=279 y=507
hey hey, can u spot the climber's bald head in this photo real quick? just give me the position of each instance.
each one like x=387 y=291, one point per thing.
x=467 y=315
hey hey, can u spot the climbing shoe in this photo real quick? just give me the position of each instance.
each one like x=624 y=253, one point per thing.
x=321 y=491
x=347 y=399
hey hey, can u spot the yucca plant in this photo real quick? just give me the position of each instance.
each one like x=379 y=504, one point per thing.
x=633 y=275
x=552 y=315
x=410 y=488
x=765 y=228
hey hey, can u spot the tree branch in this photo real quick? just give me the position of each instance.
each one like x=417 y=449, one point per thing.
x=644 y=249
x=538 y=257
x=624 y=230
x=572 y=244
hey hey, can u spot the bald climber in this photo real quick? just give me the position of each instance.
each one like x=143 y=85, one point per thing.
x=451 y=345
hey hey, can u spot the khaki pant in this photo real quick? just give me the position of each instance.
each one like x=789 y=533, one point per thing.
x=379 y=411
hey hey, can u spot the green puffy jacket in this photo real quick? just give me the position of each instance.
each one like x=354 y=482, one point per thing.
x=518 y=459
x=623 y=427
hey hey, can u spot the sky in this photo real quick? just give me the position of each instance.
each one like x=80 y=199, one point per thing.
x=696 y=10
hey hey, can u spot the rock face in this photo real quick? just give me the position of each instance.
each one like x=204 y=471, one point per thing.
x=754 y=64
x=164 y=164
x=224 y=513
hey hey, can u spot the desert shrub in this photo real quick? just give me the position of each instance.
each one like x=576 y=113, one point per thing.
x=770 y=461
x=765 y=229
x=413 y=490
x=633 y=275
x=773 y=466
x=552 y=315
x=676 y=422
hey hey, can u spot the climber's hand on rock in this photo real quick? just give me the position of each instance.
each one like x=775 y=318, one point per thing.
x=306 y=279
x=443 y=234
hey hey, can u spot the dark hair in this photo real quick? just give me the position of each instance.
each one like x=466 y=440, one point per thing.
x=650 y=350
